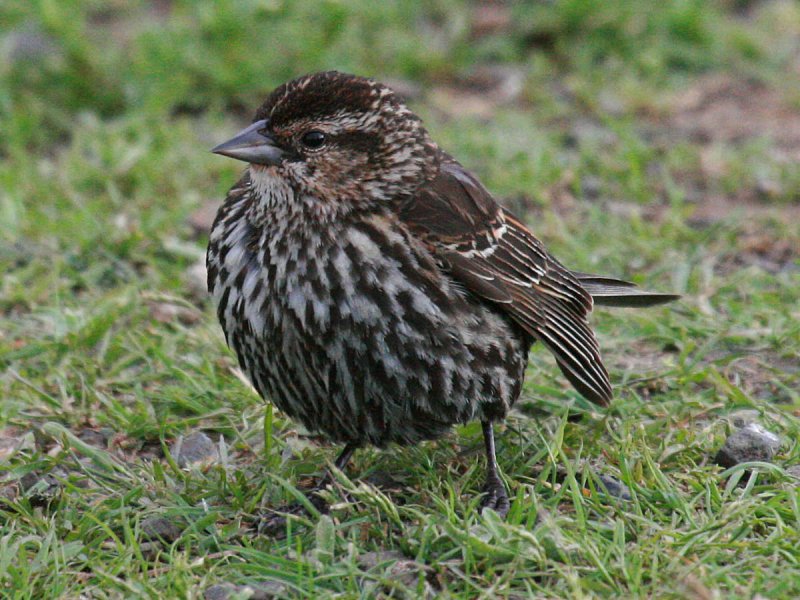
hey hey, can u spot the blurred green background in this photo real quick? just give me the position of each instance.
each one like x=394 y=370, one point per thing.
x=656 y=140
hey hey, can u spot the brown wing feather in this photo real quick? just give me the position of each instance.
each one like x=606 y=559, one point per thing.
x=495 y=256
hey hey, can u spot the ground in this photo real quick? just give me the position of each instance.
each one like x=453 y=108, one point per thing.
x=655 y=140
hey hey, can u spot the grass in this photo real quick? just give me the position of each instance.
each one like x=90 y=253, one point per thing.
x=106 y=112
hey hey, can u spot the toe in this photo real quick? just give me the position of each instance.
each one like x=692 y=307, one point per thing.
x=271 y=524
x=495 y=497
x=273 y=521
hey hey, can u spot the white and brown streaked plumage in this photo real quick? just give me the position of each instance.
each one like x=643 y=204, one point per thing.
x=372 y=287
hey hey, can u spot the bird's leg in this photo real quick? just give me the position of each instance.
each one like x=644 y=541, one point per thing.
x=274 y=522
x=495 y=495
x=340 y=463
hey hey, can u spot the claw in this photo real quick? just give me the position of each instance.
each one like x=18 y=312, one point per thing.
x=495 y=497
x=273 y=521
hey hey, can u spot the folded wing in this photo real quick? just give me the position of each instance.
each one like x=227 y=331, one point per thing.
x=608 y=291
x=497 y=258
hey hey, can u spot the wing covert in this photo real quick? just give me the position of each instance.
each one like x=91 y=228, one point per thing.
x=496 y=257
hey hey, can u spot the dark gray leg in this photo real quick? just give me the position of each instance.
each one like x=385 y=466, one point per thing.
x=495 y=495
x=340 y=463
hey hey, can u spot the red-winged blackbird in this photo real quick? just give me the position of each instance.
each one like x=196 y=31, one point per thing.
x=374 y=290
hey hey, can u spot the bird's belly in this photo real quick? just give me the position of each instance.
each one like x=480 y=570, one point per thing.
x=350 y=340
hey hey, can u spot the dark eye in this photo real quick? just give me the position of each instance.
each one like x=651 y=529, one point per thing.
x=313 y=139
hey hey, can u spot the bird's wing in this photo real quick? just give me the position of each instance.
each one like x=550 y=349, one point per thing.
x=495 y=257
x=609 y=291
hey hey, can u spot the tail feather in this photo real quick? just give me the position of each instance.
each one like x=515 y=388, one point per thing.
x=607 y=291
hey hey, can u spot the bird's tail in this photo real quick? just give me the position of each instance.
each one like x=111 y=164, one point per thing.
x=607 y=291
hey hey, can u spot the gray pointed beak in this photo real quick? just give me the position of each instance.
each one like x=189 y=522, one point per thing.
x=252 y=145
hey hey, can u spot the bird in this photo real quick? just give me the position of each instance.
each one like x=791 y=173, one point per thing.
x=374 y=290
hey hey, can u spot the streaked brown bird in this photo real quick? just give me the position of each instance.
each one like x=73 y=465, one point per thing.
x=374 y=290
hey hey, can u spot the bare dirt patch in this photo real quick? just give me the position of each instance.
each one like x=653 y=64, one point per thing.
x=763 y=249
x=763 y=376
x=720 y=114
x=722 y=109
x=712 y=208
x=759 y=373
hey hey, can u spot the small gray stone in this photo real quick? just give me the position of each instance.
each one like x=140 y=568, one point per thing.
x=750 y=443
x=40 y=490
x=220 y=591
x=266 y=590
x=162 y=528
x=614 y=487
x=194 y=449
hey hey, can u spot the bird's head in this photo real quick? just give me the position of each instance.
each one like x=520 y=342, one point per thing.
x=337 y=141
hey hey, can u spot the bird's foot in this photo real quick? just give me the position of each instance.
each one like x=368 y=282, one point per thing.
x=495 y=496
x=272 y=522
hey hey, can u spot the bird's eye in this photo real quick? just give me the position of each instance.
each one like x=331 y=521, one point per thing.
x=313 y=139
